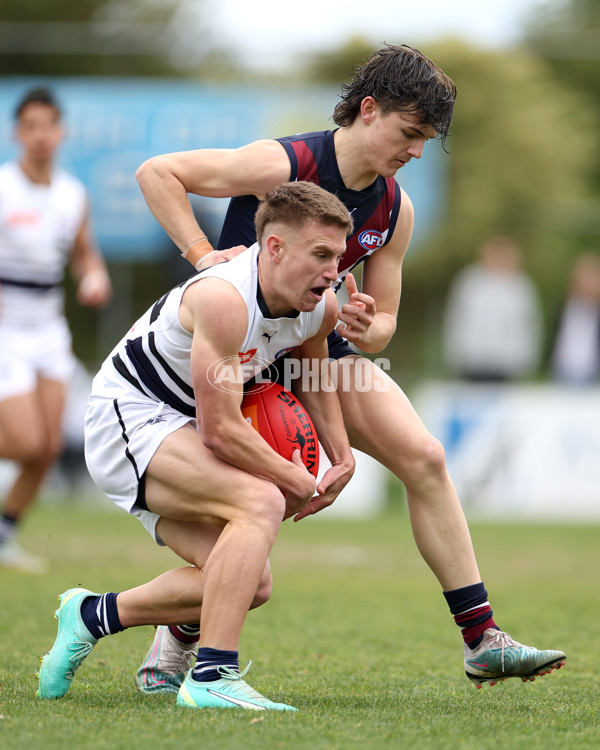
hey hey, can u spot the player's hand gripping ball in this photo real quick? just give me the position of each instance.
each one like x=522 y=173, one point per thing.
x=279 y=417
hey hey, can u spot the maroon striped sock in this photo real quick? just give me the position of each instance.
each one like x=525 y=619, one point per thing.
x=474 y=622
x=185 y=633
x=472 y=612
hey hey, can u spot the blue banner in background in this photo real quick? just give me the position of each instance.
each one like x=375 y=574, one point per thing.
x=113 y=125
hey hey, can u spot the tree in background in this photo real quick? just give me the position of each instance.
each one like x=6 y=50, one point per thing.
x=567 y=37
x=338 y=66
x=521 y=147
x=108 y=37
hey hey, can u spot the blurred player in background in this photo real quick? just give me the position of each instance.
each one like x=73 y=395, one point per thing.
x=395 y=103
x=44 y=226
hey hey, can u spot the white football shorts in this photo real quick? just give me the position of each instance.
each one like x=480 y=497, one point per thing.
x=121 y=436
x=28 y=353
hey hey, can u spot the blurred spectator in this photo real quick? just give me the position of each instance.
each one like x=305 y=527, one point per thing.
x=44 y=226
x=493 y=318
x=576 y=345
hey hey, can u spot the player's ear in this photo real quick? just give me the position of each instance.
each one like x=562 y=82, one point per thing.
x=274 y=247
x=368 y=109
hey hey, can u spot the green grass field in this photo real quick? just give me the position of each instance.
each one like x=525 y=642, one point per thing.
x=357 y=636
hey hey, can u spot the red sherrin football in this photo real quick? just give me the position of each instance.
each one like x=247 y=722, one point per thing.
x=278 y=416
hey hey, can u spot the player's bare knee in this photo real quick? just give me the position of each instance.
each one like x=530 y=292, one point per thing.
x=262 y=515
x=48 y=452
x=428 y=463
x=29 y=448
x=267 y=504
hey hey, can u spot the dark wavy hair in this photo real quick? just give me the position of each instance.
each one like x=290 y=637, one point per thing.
x=400 y=79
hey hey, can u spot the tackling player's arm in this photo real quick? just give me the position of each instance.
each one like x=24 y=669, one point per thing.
x=370 y=315
x=166 y=180
x=88 y=268
x=216 y=315
x=323 y=405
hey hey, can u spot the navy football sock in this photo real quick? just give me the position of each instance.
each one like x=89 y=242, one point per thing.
x=8 y=527
x=100 y=615
x=209 y=660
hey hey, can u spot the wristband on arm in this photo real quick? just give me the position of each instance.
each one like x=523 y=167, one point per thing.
x=194 y=254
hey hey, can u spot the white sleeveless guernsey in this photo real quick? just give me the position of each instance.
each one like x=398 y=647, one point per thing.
x=38 y=225
x=153 y=358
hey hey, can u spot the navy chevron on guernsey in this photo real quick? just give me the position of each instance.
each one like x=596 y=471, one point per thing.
x=154 y=358
x=312 y=159
x=151 y=368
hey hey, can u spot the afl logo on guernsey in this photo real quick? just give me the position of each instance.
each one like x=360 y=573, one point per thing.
x=282 y=352
x=370 y=239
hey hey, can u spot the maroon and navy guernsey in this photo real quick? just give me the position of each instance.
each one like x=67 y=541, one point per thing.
x=312 y=159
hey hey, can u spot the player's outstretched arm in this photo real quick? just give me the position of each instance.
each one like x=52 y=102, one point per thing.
x=322 y=403
x=166 y=180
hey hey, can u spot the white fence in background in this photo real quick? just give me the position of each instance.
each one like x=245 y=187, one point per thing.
x=519 y=451
x=366 y=493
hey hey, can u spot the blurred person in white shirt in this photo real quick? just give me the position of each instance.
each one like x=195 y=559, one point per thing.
x=493 y=326
x=44 y=227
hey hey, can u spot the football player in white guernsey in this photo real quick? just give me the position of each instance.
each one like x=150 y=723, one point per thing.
x=44 y=228
x=168 y=443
